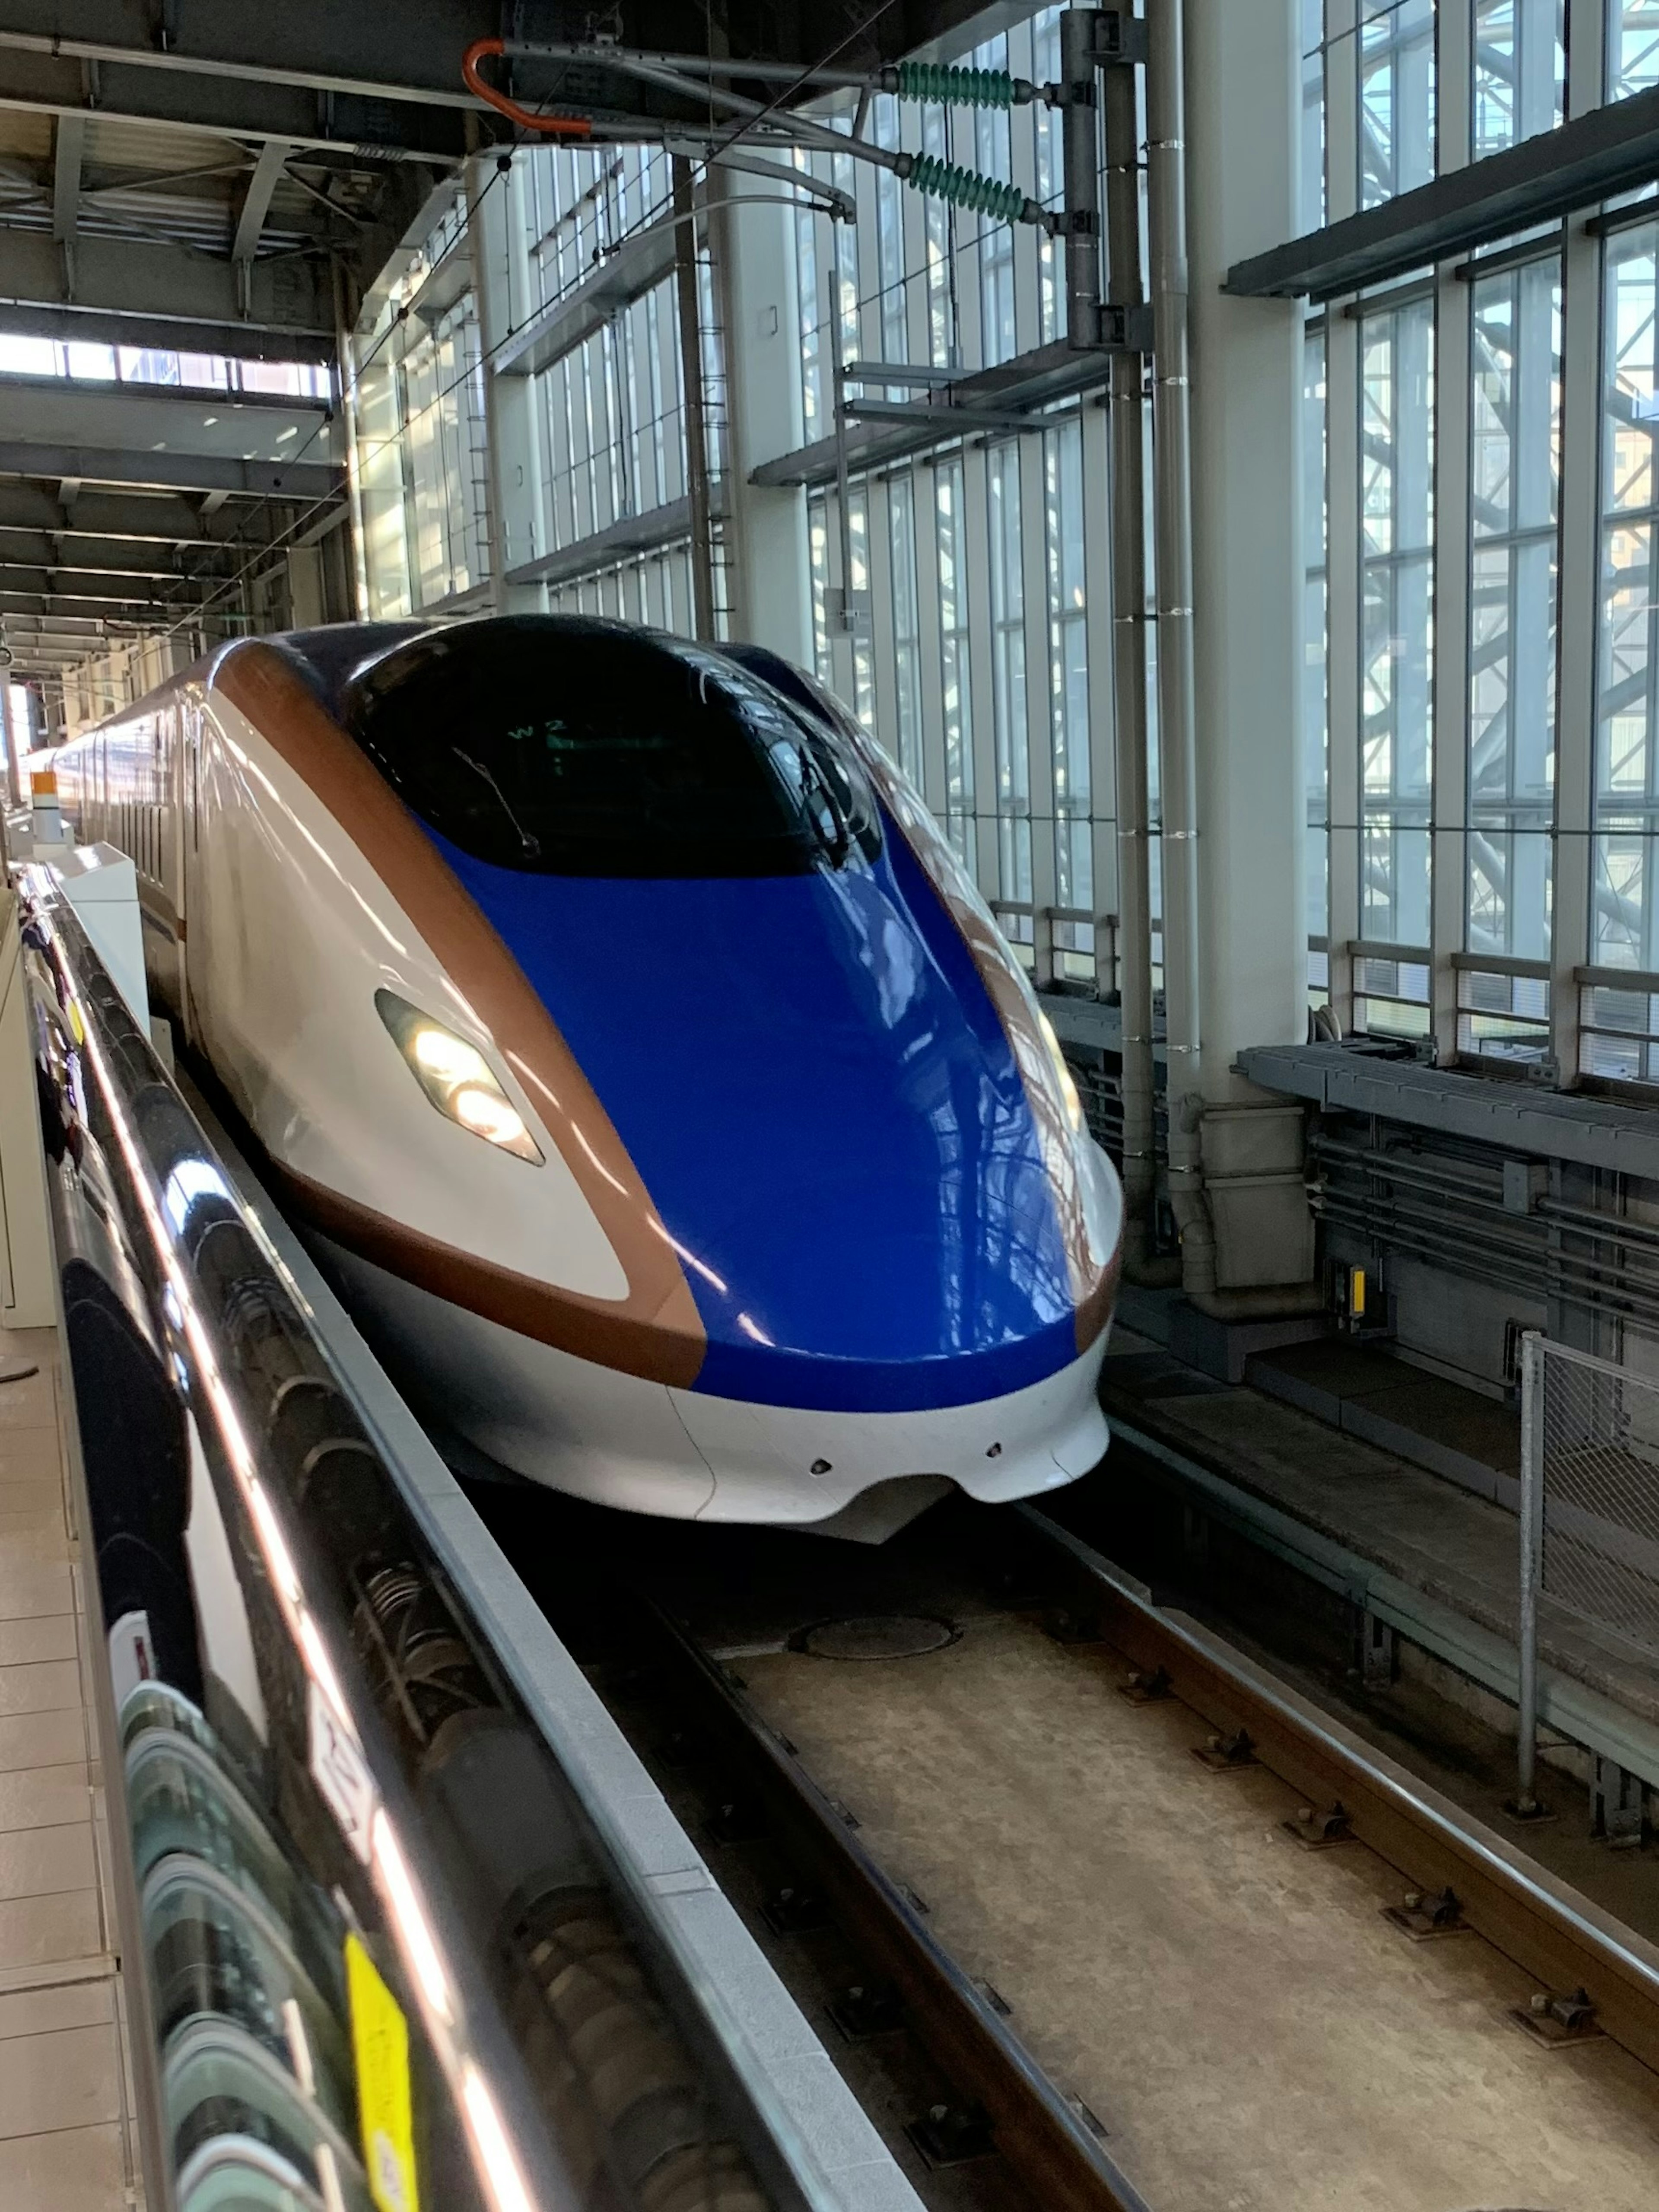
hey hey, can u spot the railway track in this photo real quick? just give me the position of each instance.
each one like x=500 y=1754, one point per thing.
x=1002 y=2098
x=1595 y=1977
x=1593 y=1982
x=996 y=2098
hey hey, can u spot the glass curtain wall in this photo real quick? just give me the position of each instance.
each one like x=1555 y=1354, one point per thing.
x=1440 y=679
x=1071 y=766
x=1315 y=717
x=905 y=616
x=1625 y=880
x=420 y=457
x=614 y=408
x=1515 y=467
x=1396 y=582
x=1520 y=71
x=1481 y=709
x=987 y=675
x=955 y=671
x=1397 y=89
x=987 y=672
x=609 y=414
x=1632 y=47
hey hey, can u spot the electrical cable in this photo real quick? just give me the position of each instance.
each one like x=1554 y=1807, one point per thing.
x=551 y=126
x=920 y=81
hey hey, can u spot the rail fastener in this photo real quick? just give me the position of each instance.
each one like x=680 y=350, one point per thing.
x=1425 y=1918
x=1557 y=1937
x=1321 y=1831
x=1227 y=1754
x=1560 y=2022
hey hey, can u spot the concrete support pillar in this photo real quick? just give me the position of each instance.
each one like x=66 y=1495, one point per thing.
x=1243 y=132
x=766 y=540
x=499 y=235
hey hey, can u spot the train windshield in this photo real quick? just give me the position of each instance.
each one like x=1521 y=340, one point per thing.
x=568 y=746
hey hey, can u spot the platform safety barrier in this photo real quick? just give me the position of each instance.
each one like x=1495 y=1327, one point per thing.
x=1589 y=1525
x=376 y=1957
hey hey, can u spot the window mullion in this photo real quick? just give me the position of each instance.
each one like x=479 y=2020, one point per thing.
x=1449 y=814
x=1580 y=500
x=1343 y=682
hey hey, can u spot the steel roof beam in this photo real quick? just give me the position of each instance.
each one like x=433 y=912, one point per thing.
x=137 y=518
x=412 y=57
x=128 y=277
x=66 y=555
x=115 y=326
x=159 y=614
x=256 y=206
x=258 y=102
x=33 y=401
x=58 y=579
x=75 y=626
x=301 y=481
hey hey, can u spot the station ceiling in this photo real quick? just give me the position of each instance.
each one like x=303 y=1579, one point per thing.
x=227 y=177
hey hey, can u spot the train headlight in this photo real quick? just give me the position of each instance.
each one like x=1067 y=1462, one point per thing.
x=445 y=1057
x=1063 y=1074
x=456 y=1077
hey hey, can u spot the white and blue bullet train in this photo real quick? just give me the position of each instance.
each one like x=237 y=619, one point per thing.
x=631 y=1044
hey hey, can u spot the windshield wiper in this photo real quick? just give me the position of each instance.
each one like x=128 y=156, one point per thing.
x=813 y=775
x=532 y=846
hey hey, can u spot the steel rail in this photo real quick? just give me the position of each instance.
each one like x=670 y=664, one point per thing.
x=1544 y=1926
x=1045 y=2140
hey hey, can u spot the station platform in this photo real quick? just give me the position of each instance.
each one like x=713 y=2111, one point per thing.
x=67 y=2129
x=1395 y=1488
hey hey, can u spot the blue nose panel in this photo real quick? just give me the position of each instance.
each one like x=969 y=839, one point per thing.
x=817 y=1092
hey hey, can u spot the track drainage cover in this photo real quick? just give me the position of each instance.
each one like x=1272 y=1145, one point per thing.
x=877 y=1636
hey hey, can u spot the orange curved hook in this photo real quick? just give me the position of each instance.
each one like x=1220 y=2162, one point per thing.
x=553 y=126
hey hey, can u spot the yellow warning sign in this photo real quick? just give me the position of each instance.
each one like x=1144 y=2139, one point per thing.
x=379 y=2044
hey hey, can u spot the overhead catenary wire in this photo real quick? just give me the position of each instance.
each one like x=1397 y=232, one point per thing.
x=958 y=186
x=350 y=384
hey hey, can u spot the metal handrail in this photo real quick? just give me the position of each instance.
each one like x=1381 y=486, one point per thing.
x=365 y=1915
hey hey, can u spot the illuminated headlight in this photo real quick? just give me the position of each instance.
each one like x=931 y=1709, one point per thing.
x=1063 y=1074
x=456 y=1077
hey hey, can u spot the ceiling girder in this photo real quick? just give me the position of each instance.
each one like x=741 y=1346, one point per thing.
x=169 y=333
x=260 y=104
x=138 y=277
x=301 y=481
x=64 y=556
x=256 y=206
x=155 y=614
x=138 y=518
x=62 y=580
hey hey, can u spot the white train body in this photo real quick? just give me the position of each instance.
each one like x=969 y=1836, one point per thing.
x=598 y=1292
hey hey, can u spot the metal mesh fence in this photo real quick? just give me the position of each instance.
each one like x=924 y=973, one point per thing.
x=1595 y=1436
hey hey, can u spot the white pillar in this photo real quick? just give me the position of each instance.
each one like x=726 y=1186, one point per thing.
x=10 y=721
x=305 y=587
x=770 y=562
x=1243 y=131
x=498 y=232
